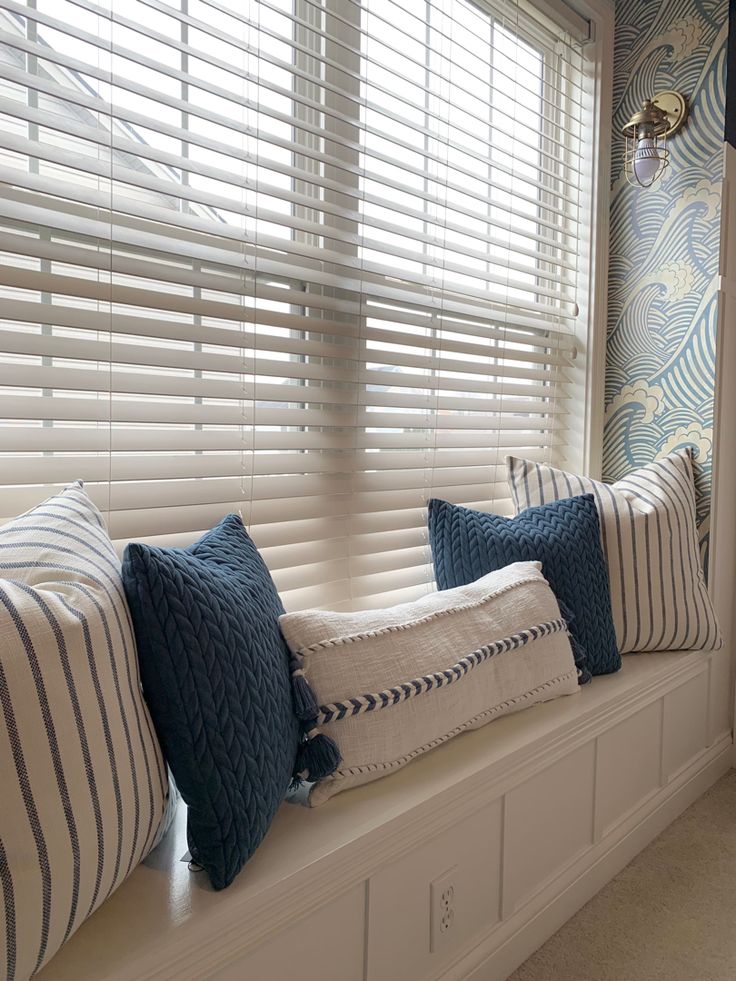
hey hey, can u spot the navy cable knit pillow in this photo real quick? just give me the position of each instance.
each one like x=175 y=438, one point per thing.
x=564 y=536
x=215 y=673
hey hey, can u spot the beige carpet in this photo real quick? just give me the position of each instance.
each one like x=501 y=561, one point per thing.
x=669 y=916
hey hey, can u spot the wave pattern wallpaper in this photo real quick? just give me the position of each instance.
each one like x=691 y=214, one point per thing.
x=665 y=243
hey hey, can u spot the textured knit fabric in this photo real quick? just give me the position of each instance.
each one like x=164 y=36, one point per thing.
x=215 y=672
x=391 y=684
x=83 y=786
x=564 y=536
x=658 y=593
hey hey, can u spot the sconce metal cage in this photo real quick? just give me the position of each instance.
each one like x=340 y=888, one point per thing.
x=646 y=154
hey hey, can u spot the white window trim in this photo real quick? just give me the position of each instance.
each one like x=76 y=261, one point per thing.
x=589 y=374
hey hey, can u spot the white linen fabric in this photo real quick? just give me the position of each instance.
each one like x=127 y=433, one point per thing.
x=391 y=684
x=658 y=592
x=84 y=785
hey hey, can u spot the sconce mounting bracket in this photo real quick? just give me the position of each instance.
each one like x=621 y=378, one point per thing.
x=675 y=106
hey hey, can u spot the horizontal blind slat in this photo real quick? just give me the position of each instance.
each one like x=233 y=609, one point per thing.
x=127 y=176
x=371 y=288
x=235 y=360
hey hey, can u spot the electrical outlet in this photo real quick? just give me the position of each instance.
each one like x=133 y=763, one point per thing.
x=442 y=912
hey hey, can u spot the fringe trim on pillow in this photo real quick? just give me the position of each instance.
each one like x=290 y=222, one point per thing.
x=317 y=755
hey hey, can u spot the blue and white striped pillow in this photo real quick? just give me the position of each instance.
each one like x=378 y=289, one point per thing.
x=658 y=592
x=84 y=785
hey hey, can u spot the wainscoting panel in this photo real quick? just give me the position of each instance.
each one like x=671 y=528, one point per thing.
x=327 y=943
x=720 y=707
x=628 y=767
x=399 y=898
x=685 y=725
x=548 y=822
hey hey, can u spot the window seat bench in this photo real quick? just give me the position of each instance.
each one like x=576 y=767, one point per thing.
x=531 y=815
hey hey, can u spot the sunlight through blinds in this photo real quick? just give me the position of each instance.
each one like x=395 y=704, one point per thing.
x=311 y=261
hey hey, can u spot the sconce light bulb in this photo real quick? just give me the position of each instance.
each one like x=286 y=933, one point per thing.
x=646 y=161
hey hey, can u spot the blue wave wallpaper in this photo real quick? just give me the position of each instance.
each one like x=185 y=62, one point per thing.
x=665 y=241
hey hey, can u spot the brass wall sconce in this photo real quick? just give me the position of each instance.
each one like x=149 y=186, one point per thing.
x=646 y=134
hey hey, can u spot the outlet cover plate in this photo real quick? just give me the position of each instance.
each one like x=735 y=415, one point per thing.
x=442 y=909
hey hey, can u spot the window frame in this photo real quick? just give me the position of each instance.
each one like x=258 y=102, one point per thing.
x=588 y=373
x=373 y=285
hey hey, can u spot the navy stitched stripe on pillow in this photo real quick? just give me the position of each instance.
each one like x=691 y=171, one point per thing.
x=55 y=753
x=81 y=731
x=115 y=597
x=84 y=803
x=563 y=535
x=6 y=881
x=31 y=812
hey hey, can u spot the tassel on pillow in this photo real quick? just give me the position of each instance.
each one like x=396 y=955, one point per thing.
x=578 y=651
x=317 y=756
x=305 y=704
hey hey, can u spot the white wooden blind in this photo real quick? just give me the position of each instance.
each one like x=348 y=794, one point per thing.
x=313 y=260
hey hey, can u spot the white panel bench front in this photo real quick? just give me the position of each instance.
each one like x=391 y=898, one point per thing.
x=533 y=814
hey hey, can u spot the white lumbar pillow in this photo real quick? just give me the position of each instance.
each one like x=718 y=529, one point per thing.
x=659 y=598
x=83 y=782
x=392 y=684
